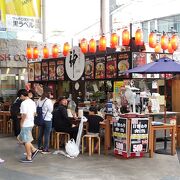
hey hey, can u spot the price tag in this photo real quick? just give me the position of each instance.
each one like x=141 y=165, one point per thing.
x=137 y=147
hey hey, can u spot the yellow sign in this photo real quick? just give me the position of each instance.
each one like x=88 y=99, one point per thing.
x=24 y=7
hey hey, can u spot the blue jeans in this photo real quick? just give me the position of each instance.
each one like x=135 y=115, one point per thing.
x=45 y=131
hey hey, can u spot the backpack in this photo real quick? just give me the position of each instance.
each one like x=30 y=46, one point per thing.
x=15 y=108
x=39 y=119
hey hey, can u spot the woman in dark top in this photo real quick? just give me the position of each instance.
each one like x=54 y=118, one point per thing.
x=61 y=121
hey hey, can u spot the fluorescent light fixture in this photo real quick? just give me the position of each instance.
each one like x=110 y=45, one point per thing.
x=7 y=70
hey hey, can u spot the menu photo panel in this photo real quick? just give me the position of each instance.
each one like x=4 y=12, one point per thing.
x=44 y=71
x=111 y=66
x=52 y=70
x=60 y=69
x=100 y=67
x=89 y=67
x=123 y=65
x=37 y=70
x=31 y=71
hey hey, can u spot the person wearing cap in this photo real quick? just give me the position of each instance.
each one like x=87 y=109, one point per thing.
x=61 y=121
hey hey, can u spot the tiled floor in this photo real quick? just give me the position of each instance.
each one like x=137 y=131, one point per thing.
x=53 y=167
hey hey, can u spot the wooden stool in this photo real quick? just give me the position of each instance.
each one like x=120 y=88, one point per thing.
x=9 y=127
x=59 y=135
x=178 y=135
x=90 y=138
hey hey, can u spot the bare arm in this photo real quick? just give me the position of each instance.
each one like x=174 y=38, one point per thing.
x=23 y=117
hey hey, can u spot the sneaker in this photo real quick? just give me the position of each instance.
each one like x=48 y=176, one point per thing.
x=40 y=149
x=1 y=160
x=25 y=160
x=46 y=152
x=34 y=153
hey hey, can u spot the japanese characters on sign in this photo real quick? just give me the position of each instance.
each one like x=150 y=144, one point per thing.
x=111 y=66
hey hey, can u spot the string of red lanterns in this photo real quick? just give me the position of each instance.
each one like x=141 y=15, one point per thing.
x=165 y=44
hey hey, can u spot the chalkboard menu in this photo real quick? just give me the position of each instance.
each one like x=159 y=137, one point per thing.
x=44 y=71
x=89 y=67
x=60 y=69
x=123 y=63
x=111 y=66
x=37 y=70
x=120 y=135
x=52 y=70
x=100 y=67
x=139 y=135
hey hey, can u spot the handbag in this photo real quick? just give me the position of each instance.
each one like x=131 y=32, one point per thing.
x=71 y=148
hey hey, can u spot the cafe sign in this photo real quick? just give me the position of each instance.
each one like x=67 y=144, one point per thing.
x=74 y=63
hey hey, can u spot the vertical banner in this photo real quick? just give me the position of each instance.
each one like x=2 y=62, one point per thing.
x=23 y=15
x=2 y=15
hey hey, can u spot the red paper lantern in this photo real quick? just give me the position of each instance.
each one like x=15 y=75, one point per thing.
x=35 y=53
x=139 y=37
x=29 y=53
x=45 y=52
x=125 y=38
x=152 y=40
x=84 y=45
x=55 y=51
x=66 y=48
x=157 y=49
x=102 y=43
x=174 y=42
x=170 y=49
x=164 y=42
x=92 y=46
x=114 y=40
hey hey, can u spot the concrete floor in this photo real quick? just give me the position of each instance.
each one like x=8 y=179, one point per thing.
x=52 y=167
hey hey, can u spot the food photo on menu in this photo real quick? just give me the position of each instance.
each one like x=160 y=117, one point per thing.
x=37 y=67
x=89 y=69
x=31 y=72
x=111 y=67
x=44 y=71
x=60 y=70
x=100 y=67
x=52 y=70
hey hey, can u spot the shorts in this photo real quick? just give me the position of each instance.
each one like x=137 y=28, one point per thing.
x=25 y=135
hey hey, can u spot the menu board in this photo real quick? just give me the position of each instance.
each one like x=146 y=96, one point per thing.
x=31 y=71
x=44 y=71
x=111 y=66
x=60 y=69
x=52 y=70
x=120 y=135
x=37 y=67
x=89 y=67
x=123 y=63
x=100 y=67
x=139 y=135
x=138 y=59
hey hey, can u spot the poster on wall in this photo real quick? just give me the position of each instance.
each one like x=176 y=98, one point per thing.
x=139 y=135
x=111 y=66
x=100 y=67
x=120 y=135
x=31 y=71
x=37 y=67
x=44 y=71
x=123 y=64
x=60 y=69
x=138 y=59
x=52 y=70
x=89 y=67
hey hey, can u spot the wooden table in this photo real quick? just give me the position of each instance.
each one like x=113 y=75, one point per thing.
x=152 y=140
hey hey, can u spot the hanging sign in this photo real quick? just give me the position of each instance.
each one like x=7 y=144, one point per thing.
x=74 y=63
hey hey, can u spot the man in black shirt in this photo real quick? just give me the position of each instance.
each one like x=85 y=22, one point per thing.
x=61 y=121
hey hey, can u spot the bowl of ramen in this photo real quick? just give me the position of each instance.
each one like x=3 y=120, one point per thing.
x=123 y=65
x=60 y=70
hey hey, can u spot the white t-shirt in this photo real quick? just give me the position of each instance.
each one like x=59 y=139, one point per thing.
x=28 y=107
x=46 y=109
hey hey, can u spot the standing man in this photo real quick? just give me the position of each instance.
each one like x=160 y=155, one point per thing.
x=27 y=111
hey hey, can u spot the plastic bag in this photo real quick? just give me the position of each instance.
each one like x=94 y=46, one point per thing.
x=71 y=148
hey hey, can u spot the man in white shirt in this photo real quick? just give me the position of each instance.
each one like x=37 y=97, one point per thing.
x=28 y=111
